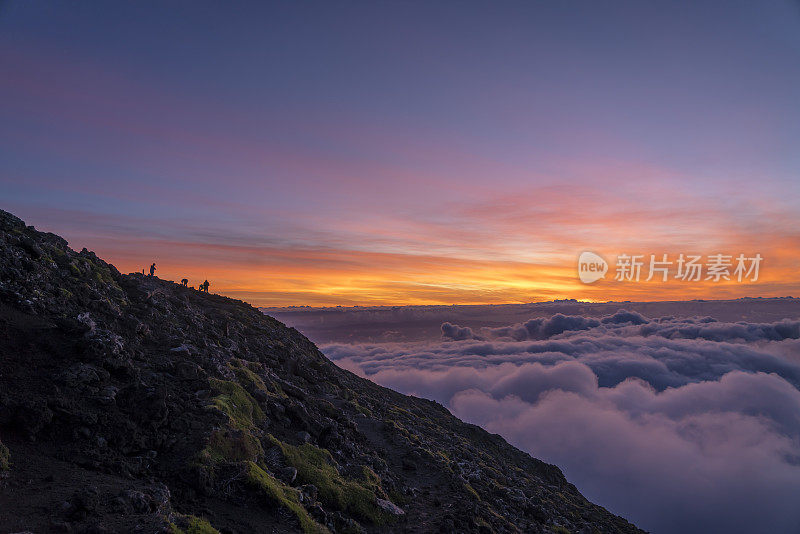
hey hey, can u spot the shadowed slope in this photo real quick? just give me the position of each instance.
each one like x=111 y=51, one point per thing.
x=131 y=402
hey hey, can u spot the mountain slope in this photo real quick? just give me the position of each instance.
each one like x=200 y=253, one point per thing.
x=133 y=404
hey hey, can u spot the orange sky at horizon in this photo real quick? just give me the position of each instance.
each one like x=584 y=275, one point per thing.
x=507 y=249
x=347 y=278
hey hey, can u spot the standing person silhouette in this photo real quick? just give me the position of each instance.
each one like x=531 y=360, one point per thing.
x=204 y=286
x=152 y=269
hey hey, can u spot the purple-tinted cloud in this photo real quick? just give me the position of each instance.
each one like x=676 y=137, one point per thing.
x=457 y=333
x=680 y=424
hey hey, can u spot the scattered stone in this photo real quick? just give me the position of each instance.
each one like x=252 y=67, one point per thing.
x=389 y=507
x=287 y=474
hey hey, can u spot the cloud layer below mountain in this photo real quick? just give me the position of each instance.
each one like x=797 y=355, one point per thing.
x=680 y=425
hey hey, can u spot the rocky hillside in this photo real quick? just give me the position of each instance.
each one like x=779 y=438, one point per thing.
x=133 y=404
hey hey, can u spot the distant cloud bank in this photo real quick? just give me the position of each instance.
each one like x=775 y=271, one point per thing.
x=679 y=424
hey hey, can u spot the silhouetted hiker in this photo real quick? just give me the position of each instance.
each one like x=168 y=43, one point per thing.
x=185 y=282
x=204 y=286
x=152 y=269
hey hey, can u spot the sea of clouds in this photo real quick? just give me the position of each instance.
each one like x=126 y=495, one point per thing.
x=681 y=425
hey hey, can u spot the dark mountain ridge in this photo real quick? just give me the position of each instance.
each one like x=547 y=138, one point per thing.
x=133 y=404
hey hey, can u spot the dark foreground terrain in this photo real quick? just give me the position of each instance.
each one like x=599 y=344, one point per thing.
x=133 y=404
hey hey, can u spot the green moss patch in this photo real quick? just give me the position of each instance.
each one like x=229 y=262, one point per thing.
x=283 y=495
x=231 y=445
x=361 y=409
x=197 y=525
x=246 y=375
x=242 y=409
x=315 y=466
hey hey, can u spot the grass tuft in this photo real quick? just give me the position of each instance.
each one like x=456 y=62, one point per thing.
x=197 y=525
x=242 y=409
x=231 y=445
x=245 y=373
x=315 y=466
x=285 y=496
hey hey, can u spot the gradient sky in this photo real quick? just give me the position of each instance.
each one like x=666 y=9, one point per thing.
x=406 y=152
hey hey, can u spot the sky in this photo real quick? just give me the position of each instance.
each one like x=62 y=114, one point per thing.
x=342 y=153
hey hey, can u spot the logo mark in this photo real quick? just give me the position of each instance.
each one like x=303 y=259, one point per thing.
x=591 y=267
